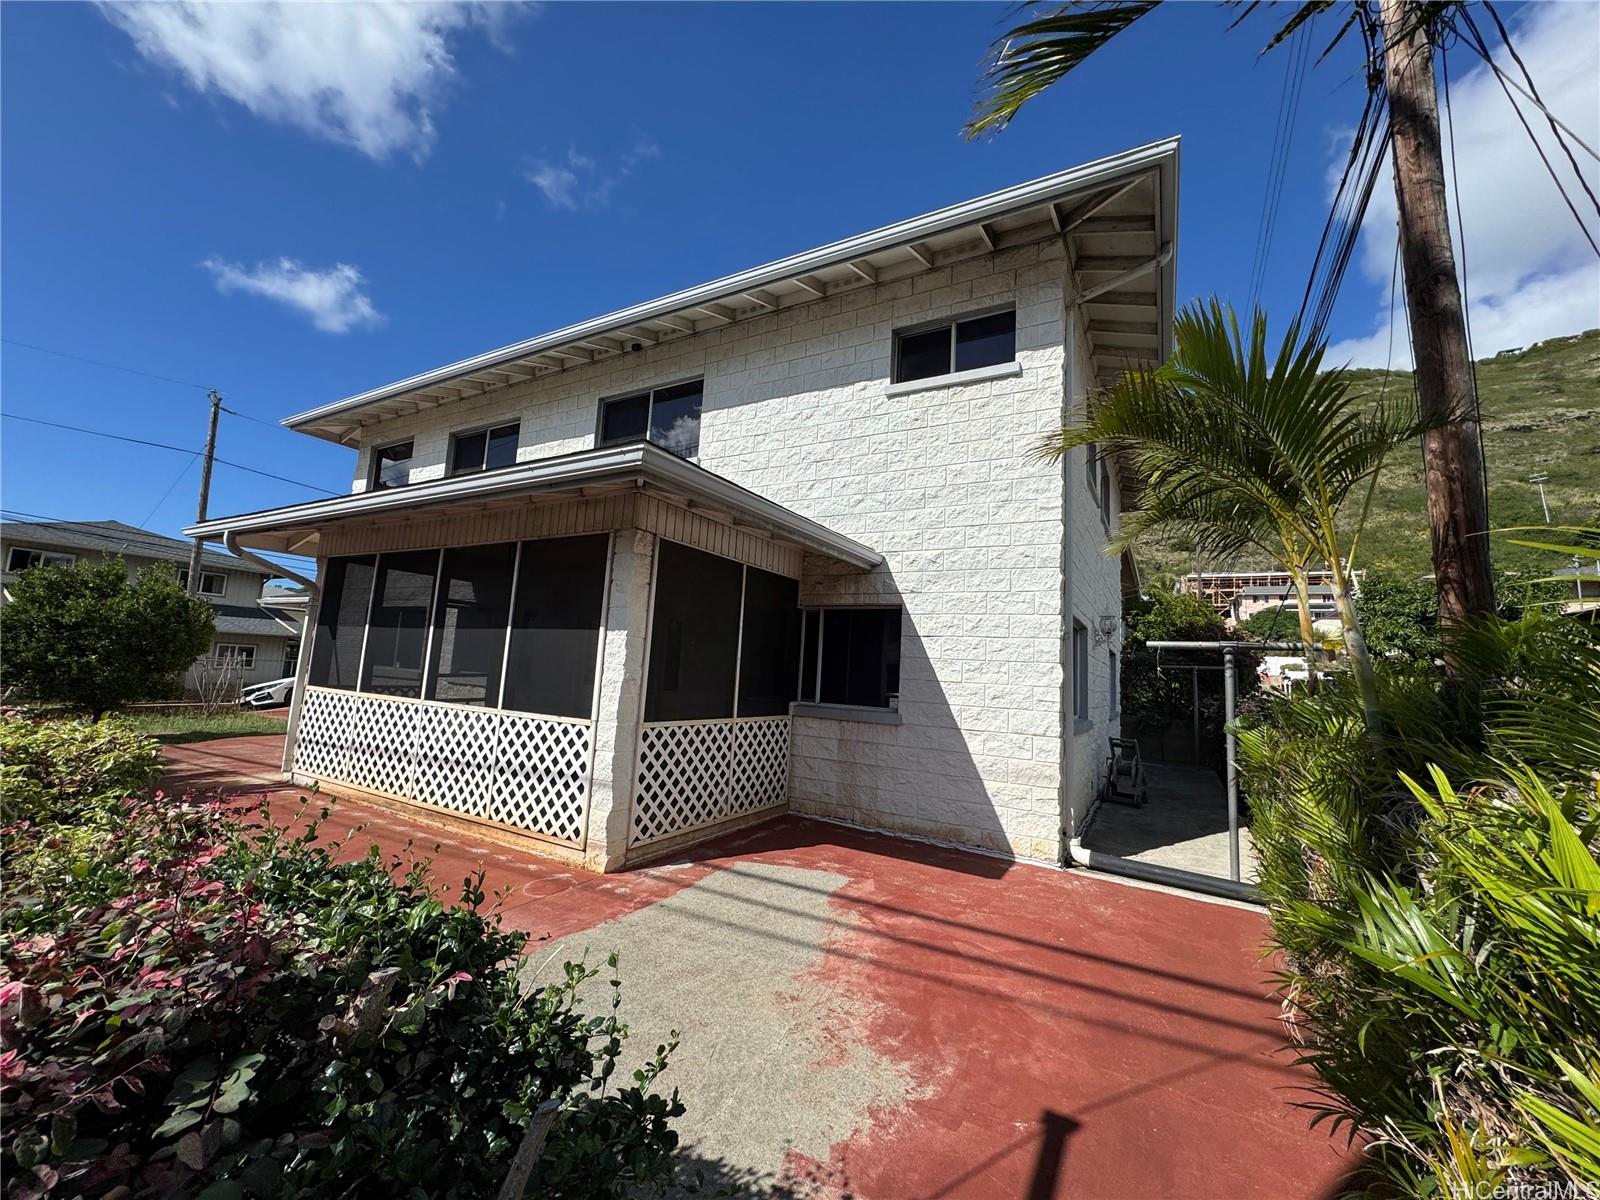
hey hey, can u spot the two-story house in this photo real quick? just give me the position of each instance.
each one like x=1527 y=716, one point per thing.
x=776 y=542
x=256 y=639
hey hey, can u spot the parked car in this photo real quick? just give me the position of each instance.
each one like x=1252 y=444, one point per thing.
x=274 y=693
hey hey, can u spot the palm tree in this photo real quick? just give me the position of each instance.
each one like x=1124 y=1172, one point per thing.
x=1237 y=450
x=1401 y=115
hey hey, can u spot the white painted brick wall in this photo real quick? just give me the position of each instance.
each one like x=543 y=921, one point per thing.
x=939 y=481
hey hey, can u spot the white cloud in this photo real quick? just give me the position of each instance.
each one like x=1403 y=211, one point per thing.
x=362 y=75
x=578 y=181
x=1530 y=272
x=334 y=299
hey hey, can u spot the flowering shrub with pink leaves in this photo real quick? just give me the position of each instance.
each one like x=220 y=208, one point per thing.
x=203 y=1005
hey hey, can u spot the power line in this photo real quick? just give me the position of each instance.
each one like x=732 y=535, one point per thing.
x=167 y=446
x=149 y=542
x=1277 y=170
x=110 y=366
x=184 y=470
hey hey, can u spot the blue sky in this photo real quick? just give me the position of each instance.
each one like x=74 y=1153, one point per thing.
x=255 y=198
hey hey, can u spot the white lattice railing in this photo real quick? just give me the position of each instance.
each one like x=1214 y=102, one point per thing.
x=697 y=773
x=520 y=769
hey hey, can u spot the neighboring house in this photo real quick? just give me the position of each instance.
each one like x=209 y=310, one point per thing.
x=256 y=639
x=777 y=542
x=1582 y=589
x=1239 y=595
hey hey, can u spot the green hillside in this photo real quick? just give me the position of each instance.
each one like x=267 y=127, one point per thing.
x=1541 y=412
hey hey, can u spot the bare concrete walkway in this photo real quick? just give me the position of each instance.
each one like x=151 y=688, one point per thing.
x=868 y=1017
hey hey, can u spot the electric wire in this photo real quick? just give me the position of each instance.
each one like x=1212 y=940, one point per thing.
x=182 y=471
x=1555 y=127
x=110 y=366
x=1277 y=170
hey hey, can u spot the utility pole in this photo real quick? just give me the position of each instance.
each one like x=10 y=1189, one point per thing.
x=1540 y=479
x=205 y=491
x=1458 y=503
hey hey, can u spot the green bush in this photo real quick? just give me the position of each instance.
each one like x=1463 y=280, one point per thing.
x=1436 y=895
x=65 y=772
x=204 y=1006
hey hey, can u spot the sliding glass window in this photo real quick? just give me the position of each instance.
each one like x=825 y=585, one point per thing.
x=341 y=623
x=397 y=636
x=469 y=628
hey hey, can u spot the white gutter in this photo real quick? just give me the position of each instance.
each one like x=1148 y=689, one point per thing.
x=984 y=208
x=230 y=540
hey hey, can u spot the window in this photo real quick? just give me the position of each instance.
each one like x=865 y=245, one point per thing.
x=21 y=559
x=212 y=583
x=342 y=622
x=694 y=636
x=1080 y=670
x=483 y=449
x=555 y=626
x=983 y=341
x=770 y=644
x=291 y=657
x=469 y=624
x=391 y=465
x=235 y=655
x=853 y=655
x=397 y=633
x=1105 y=493
x=1111 y=683
x=669 y=417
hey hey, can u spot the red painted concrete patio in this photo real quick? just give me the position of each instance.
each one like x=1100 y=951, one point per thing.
x=1059 y=1034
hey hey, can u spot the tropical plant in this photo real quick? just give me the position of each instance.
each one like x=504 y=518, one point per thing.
x=89 y=637
x=70 y=772
x=1238 y=449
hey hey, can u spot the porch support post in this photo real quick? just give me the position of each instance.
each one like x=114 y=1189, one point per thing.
x=620 y=698
x=302 y=670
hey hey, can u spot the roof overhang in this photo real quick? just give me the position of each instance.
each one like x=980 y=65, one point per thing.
x=297 y=528
x=1117 y=217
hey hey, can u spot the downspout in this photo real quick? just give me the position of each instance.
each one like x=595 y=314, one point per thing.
x=313 y=607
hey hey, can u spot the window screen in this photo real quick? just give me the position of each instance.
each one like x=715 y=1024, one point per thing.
x=771 y=641
x=469 y=628
x=810 y=628
x=860 y=656
x=341 y=623
x=398 y=636
x=391 y=466
x=626 y=419
x=555 y=626
x=1112 y=682
x=1080 y=670
x=483 y=449
x=986 y=341
x=694 y=636
x=924 y=355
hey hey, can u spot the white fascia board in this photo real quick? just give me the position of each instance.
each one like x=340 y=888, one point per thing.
x=984 y=208
x=641 y=462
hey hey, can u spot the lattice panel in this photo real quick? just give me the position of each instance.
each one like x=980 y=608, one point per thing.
x=760 y=764
x=540 y=777
x=327 y=725
x=694 y=773
x=455 y=756
x=383 y=746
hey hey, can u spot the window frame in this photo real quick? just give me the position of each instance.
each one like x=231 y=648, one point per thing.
x=62 y=558
x=374 y=462
x=291 y=657
x=606 y=402
x=1080 y=673
x=950 y=323
x=813 y=687
x=1113 y=684
x=245 y=661
x=183 y=581
x=488 y=430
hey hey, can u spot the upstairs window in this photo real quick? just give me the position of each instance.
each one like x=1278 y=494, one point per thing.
x=212 y=583
x=851 y=656
x=668 y=417
x=965 y=345
x=391 y=465
x=21 y=558
x=483 y=449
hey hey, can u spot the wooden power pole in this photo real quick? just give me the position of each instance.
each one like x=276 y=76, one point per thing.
x=1452 y=462
x=205 y=492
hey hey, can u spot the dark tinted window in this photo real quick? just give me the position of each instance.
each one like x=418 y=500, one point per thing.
x=469 y=628
x=771 y=642
x=341 y=623
x=860 y=656
x=694 y=636
x=397 y=639
x=986 y=341
x=808 y=654
x=391 y=465
x=483 y=449
x=555 y=626
x=675 y=419
x=923 y=355
x=625 y=420
x=502 y=447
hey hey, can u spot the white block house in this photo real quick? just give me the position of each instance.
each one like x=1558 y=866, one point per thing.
x=774 y=543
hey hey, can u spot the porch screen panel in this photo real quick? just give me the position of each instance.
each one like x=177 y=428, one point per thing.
x=694 y=636
x=469 y=628
x=771 y=643
x=398 y=634
x=555 y=626
x=341 y=623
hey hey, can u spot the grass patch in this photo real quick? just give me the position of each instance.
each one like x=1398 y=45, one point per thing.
x=177 y=726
